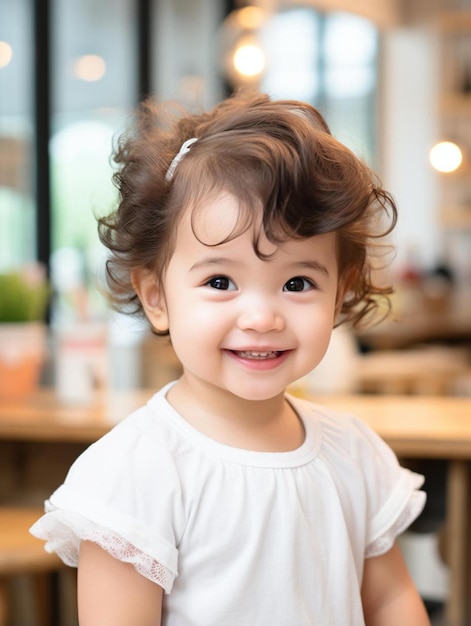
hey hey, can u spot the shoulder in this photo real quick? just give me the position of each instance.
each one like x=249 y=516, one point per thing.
x=349 y=448
x=142 y=443
x=336 y=427
x=119 y=476
x=366 y=472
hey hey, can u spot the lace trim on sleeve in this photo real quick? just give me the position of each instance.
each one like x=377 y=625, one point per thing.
x=63 y=531
x=412 y=510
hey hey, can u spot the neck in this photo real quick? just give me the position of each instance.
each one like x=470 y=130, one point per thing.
x=269 y=425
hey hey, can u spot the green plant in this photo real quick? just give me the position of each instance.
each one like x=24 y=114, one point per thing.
x=24 y=295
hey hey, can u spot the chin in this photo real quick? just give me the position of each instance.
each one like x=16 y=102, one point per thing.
x=258 y=394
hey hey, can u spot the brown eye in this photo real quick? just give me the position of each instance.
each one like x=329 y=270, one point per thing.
x=298 y=283
x=221 y=282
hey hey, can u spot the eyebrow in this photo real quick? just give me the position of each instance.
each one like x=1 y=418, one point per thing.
x=211 y=261
x=311 y=265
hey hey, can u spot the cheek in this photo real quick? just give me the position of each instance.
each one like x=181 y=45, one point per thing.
x=316 y=329
x=192 y=316
x=191 y=323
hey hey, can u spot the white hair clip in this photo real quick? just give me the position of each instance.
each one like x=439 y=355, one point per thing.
x=183 y=150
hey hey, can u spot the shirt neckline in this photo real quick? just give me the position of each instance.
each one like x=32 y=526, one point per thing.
x=293 y=458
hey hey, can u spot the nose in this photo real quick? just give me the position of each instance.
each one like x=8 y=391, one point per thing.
x=261 y=316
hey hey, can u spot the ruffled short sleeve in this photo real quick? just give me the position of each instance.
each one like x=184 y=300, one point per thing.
x=393 y=495
x=124 y=494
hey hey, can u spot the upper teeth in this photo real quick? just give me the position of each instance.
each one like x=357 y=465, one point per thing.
x=252 y=354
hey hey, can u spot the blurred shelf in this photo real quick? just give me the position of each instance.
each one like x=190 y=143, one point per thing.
x=453 y=28
x=456 y=105
x=456 y=217
x=449 y=323
x=454 y=21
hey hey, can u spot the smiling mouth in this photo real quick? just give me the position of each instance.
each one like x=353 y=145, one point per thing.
x=256 y=355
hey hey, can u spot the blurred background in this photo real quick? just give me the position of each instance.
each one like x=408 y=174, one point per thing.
x=391 y=77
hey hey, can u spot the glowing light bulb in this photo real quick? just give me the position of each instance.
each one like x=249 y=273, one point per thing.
x=6 y=53
x=446 y=156
x=249 y=60
x=90 y=67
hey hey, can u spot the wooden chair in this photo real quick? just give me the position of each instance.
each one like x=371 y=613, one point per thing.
x=21 y=554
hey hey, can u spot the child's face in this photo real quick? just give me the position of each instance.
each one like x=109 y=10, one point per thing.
x=242 y=324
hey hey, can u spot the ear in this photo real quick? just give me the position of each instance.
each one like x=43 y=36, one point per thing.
x=152 y=298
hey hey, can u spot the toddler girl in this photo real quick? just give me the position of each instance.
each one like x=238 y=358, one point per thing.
x=246 y=234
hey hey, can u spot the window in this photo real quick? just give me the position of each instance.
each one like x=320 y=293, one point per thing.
x=17 y=211
x=66 y=104
x=350 y=50
x=329 y=60
x=94 y=88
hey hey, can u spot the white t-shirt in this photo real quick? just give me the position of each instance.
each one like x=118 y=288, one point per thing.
x=238 y=537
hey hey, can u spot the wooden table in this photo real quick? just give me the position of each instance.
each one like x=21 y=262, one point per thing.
x=414 y=426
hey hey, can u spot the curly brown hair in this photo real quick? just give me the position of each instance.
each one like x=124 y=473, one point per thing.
x=279 y=154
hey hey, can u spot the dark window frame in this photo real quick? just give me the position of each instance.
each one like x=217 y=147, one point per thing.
x=43 y=88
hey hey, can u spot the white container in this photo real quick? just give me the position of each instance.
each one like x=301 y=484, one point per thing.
x=81 y=372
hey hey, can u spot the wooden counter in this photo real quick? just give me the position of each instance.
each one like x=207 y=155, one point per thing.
x=425 y=426
x=414 y=426
x=41 y=417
